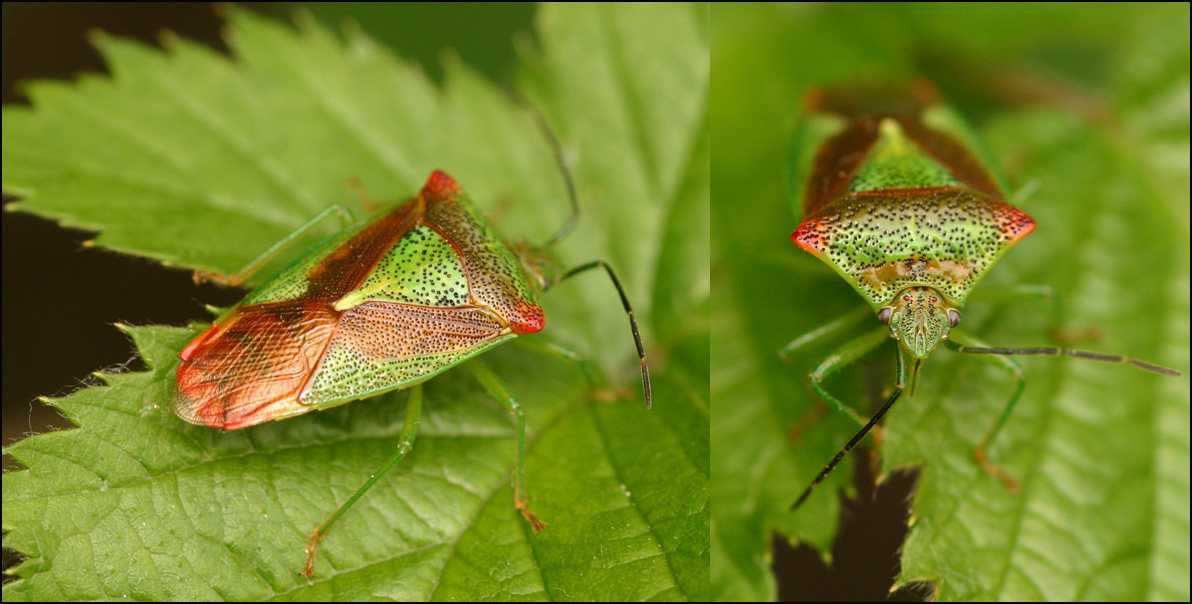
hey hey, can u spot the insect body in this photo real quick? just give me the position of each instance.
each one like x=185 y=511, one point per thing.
x=896 y=201
x=385 y=306
x=381 y=306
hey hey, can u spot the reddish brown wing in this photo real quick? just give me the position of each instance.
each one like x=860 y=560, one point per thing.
x=864 y=107
x=252 y=366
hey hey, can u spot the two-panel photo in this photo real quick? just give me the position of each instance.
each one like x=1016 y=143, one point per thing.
x=596 y=302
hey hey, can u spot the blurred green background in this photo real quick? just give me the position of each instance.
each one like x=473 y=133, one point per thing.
x=1088 y=102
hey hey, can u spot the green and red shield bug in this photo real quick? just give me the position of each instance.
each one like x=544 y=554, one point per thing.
x=898 y=199
x=381 y=306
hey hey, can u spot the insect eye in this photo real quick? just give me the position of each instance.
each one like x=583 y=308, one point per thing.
x=954 y=315
x=883 y=315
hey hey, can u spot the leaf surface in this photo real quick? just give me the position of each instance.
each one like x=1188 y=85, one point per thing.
x=202 y=162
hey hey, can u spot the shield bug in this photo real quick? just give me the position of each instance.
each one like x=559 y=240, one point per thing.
x=381 y=306
x=897 y=198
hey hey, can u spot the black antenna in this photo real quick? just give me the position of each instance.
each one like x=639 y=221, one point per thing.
x=1050 y=351
x=1070 y=352
x=557 y=150
x=569 y=226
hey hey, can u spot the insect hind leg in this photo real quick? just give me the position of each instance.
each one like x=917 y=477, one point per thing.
x=499 y=391
x=405 y=444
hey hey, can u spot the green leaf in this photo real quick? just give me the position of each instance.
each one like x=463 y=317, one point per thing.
x=1101 y=451
x=202 y=162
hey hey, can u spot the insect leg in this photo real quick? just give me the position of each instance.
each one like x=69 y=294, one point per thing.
x=569 y=225
x=962 y=342
x=998 y=356
x=252 y=267
x=546 y=347
x=898 y=388
x=844 y=322
x=1014 y=292
x=404 y=445
x=497 y=389
x=1055 y=309
x=842 y=357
